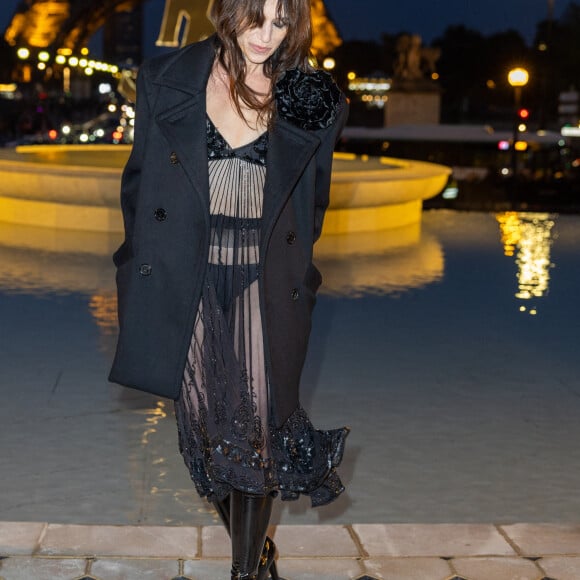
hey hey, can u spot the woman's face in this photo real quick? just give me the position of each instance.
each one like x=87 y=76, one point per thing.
x=258 y=44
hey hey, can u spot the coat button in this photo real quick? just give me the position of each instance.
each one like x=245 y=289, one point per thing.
x=160 y=214
x=290 y=237
x=173 y=158
x=145 y=270
x=295 y=294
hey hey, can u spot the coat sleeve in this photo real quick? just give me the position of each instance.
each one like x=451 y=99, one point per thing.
x=324 y=166
x=132 y=172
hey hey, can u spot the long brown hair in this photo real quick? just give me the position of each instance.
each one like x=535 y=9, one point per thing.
x=231 y=18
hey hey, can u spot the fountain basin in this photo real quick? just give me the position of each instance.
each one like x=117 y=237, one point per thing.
x=77 y=187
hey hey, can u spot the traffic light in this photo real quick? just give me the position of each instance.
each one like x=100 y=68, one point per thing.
x=524 y=114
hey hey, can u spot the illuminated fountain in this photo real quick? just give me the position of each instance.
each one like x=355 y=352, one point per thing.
x=77 y=187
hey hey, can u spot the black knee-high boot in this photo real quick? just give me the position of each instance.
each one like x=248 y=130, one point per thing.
x=222 y=508
x=267 y=565
x=249 y=518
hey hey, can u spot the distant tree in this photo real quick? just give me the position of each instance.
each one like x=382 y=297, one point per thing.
x=388 y=51
x=360 y=56
x=462 y=69
x=561 y=40
x=557 y=56
x=7 y=61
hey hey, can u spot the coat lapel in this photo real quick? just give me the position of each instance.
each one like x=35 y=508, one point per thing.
x=182 y=116
x=289 y=151
x=185 y=129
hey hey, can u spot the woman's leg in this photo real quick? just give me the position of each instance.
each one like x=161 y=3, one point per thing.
x=249 y=519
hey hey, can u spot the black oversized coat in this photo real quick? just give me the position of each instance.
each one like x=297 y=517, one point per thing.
x=165 y=201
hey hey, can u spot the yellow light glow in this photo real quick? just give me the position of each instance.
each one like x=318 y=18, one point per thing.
x=351 y=76
x=60 y=59
x=522 y=127
x=43 y=56
x=103 y=307
x=509 y=224
x=83 y=62
x=521 y=146
x=73 y=61
x=435 y=76
x=114 y=69
x=84 y=51
x=8 y=88
x=531 y=235
x=518 y=77
x=329 y=63
x=64 y=51
x=490 y=84
x=41 y=66
x=23 y=53
x=89 y=71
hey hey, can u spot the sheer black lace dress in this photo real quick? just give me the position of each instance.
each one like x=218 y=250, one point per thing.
x=225 y=435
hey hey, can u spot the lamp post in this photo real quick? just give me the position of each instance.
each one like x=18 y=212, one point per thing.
x=517 y=78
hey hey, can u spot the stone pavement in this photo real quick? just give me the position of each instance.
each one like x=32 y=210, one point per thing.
x=42 y=551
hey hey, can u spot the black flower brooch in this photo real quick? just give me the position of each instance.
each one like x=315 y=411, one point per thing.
x=309 y=100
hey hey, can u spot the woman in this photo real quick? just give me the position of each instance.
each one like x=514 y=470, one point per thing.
x=223 y=198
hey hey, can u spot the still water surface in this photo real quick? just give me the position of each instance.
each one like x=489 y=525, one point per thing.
x=450 y=349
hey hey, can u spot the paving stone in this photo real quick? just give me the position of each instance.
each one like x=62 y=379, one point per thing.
x=19 y=538
x=128 y=569
x=545 y=539
x=319 y=568
x=207 y=569
x=432 y=540
x=291 y=541
x=215 y=542
x=136 y=541
x=408 y=568
x=42 y=568
x=312 y=541
x=561 y=567
x=496 y=568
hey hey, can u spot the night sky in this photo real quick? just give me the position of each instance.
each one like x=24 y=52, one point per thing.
x=366 y=19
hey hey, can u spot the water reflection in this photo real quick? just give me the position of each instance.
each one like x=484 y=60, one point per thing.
x=103 y=307
x=42 y=261
x=387 y=262
x=528 y=236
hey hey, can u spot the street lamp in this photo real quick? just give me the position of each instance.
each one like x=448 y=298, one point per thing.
x=517 y=78
x=329 y=63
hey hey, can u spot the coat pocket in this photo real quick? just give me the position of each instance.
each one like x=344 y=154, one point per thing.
x=122 y=255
